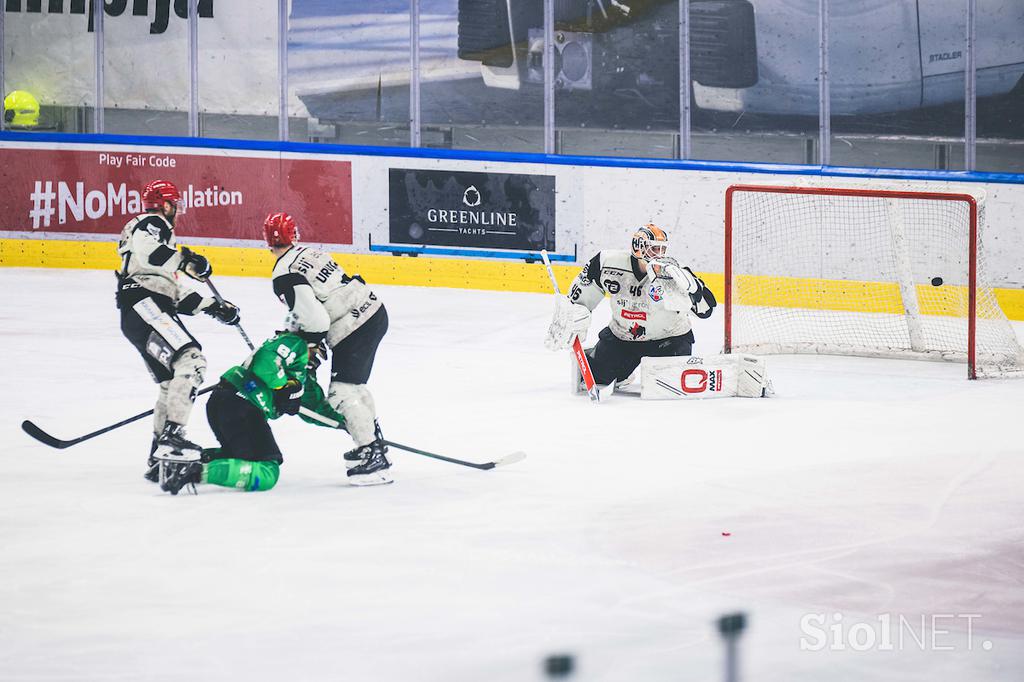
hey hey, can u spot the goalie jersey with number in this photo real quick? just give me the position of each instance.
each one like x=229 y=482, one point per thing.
x=339 y=304
x=644 y=307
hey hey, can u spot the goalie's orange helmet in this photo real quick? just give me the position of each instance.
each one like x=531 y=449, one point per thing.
x=650 y=241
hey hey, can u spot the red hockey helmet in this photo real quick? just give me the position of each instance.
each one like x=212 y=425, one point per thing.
x=157 y=192
x=279 y=229
x=650 y=241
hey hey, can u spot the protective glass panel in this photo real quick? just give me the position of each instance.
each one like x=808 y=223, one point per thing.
x=616 y=71
x=999 y=33
x=49 y=79
x=145 y=68
x=897 y=84
x=238 y=65
x=476 y=90
x=348 y=71
x=755 y=80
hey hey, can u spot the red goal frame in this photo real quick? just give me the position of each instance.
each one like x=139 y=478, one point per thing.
x=972 y=277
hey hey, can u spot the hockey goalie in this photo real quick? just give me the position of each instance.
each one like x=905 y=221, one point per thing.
x=652 y=297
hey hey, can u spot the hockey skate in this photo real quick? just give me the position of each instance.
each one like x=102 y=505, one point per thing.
x=173 y=446
x=176 y=458
x=152 y=465
x=367 y=464
x=176 y=475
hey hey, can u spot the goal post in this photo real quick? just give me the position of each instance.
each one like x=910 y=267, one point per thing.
x=858 y=271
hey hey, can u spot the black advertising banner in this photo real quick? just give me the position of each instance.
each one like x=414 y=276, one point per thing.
x=457 y=208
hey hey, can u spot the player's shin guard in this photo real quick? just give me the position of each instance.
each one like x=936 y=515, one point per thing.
x=242 y=474
x=355 y=403
x=189 y=371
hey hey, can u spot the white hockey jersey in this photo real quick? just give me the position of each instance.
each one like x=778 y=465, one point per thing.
x=644 y=307
x=150 y=257
x=320 y=295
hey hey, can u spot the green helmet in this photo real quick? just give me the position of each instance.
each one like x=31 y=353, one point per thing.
x=21 y=109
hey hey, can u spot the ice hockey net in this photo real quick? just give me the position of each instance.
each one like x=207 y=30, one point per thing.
x=863 y=272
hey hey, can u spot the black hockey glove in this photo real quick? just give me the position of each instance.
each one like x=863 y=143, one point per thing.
x=224 y=312
x=317 y=354
x=703 y=300
x=288 y=398
x=194 y=265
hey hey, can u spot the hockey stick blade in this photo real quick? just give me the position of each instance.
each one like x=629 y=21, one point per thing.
x=511 y=458
x=45 y=438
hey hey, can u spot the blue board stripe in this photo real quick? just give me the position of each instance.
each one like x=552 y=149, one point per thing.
x=516 y=157
x=472 y=253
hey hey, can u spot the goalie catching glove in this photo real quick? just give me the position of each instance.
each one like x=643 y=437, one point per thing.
x=569 y=321
x=702 y=301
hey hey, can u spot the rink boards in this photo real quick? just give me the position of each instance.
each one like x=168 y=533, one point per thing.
x=62 y=204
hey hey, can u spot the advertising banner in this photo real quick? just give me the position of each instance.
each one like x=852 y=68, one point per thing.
x=472 y=209
x=49 y=50
x=97 y=192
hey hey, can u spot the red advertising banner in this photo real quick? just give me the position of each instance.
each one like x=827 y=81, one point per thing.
x=227 y=197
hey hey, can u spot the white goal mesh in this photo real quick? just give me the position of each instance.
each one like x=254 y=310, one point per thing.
x=863 y=272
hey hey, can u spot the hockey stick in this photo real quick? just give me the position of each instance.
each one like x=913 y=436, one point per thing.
x=238 y=325
x=327 y=421
x=510 y=458
x=577 y=346
x=46 y=439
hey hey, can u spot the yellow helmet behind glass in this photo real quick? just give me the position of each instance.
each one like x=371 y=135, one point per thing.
x=21 y=109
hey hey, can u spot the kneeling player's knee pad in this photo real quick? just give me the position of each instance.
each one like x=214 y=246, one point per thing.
x=189 y=371
x=242 y=474
x=355 y=403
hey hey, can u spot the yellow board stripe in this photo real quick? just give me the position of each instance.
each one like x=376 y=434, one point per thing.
x=524 y=277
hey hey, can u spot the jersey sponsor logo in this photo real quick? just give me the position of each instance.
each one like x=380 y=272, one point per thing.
x=695 y=380
x=634 y=314
x=611 y=286
x=656 y=292
x=637 y=330
x=357 y=312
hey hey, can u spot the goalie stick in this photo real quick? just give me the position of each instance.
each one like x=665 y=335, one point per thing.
x=577 y=346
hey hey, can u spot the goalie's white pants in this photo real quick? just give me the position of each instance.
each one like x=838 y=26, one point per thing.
x=715 y=376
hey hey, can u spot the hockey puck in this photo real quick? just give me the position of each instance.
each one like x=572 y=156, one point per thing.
x=726 y=533
x=936 y=281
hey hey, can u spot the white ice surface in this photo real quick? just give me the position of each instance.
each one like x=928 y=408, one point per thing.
x=866 y=487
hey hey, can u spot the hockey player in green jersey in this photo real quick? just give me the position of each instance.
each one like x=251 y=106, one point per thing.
x=277 y=379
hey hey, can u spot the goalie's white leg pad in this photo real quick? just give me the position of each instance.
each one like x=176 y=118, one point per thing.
x=717 y=376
